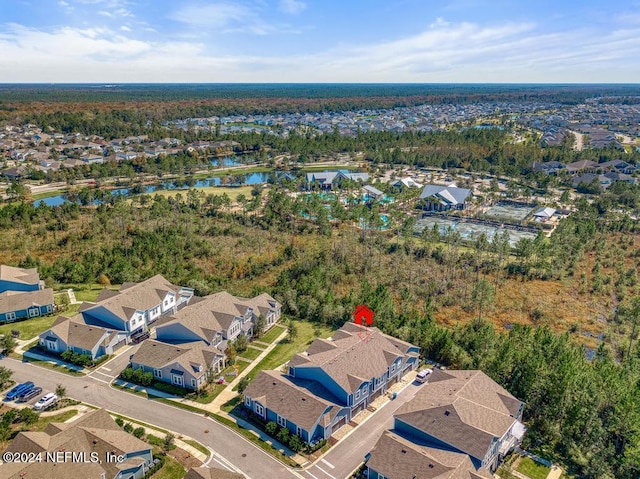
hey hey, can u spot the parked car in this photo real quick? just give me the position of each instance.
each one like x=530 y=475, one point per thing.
x=30 y=394
x=45 y=402
x=423 y=376
x=19 y=389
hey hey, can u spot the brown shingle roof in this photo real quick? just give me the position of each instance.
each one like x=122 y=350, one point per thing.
x=19 y=275
x=157 y=355
x=465 y=409
x=282 y=396
x=212 y=473
x=399 y=458
x=79 y=334
x=216 y=312
x=139 y=296
x=94 y=432
x=359 y=354
x=19 y=300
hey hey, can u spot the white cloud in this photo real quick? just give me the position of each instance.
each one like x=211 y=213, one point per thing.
x=227 y=17
x=125 y=28
x=105 y=13
x=62 y=3
x=444 y=52
x=292 y=6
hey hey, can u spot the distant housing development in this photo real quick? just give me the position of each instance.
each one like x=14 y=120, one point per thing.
x=22 y=294
x=331 y=382
x=460 y=424
x=330 y=180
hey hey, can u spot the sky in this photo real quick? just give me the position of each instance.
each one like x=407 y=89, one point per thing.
x=377 y=41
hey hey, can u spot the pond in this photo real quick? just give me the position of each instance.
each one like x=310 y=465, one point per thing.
x=229 y=180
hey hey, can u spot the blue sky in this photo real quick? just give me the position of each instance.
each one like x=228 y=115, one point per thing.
x=320 y=41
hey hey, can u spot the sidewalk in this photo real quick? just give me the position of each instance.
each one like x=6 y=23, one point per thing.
x=228 y=393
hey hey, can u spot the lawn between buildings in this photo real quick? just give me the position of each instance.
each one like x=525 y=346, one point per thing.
x=288 y=347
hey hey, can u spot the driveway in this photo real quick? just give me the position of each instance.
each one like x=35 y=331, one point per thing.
x=228 y=446
x=348 y=454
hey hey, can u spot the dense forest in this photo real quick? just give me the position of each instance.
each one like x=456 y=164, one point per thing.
x=104 y=105
x=449 y=297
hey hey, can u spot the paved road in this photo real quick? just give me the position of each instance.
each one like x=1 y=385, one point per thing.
x=348 y=454
x=229 y=447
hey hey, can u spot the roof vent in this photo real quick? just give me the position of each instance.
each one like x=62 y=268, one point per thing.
x=273 y=383
x=304 y=399
x=404 y=451
x=430 y=466
x=446 y=413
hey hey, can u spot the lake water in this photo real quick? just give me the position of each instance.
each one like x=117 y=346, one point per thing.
x=229 y=180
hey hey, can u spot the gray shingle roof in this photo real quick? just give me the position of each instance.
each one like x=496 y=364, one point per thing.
x=359 y=354
x=398 y=458
x=465 y=409
x=288 y=399
x=451 y=195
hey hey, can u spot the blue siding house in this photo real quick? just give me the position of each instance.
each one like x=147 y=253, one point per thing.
x=339 y=377
x=19 y=279
x=15 y=305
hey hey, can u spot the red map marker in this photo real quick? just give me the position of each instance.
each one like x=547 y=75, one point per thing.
x=363 y=315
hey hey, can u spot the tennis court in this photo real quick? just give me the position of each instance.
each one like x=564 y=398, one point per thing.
x=471 y=231
x=509 y=212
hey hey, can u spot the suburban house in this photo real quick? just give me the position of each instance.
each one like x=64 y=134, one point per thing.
x=19 y=279
x=346 y=371
x=329 y=180
x=218 y=318
x=304 y=407
x=73 y=334
x=16 y=305
x=93 y=433
x=582 y=166
x=550 y=167
x=187 y=365
x=397 y=457
x=405 y=183
x=465 y=412
x=212 y=473
x=444 y=198
x=587 y=179
x=136 y=305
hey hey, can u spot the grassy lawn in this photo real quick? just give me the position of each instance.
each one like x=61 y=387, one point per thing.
x=271 y=335
x=285 y=350
x=172 y=469
x=53 y=366
x=256 y=440
x=89 y=294
x=532 y=469
x=43 y=422
x=210 y=395
x=198 y=446
x=29 y=328
x=251 y=353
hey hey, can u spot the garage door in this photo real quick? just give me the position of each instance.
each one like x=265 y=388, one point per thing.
x=339 y=424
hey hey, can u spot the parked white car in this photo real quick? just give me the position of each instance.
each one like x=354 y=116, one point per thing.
x=45 y=402
x=423 y=376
